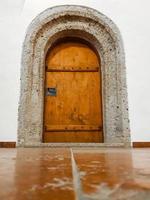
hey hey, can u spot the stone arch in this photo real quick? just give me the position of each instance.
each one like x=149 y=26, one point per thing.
x=97 y=29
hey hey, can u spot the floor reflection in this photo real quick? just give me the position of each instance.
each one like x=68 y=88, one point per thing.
x=82 y=174
x=42 y=174
x=112 y=174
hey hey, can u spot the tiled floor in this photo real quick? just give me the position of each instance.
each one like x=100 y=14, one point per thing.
x=69 y=174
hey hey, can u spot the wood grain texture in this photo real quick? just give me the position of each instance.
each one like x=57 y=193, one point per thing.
x=73 y=136
x=72 y=55
x=72 y=128
x=7 y=144
x=141 y=144
x=73 y=69
x=77 y=101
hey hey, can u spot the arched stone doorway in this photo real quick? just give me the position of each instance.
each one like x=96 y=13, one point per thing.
x=102 y=34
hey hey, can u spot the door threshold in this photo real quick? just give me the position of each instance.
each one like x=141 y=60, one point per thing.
x=72 y=145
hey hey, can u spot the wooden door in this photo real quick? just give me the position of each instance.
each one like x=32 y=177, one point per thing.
x=73 y=106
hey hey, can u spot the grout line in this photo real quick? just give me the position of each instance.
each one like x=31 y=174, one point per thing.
x=76 y=179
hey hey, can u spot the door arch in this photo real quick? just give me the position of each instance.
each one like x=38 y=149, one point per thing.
x=98 y=30
x=72 y=102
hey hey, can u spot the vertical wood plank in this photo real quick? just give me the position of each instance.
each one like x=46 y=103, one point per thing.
x=77 y=98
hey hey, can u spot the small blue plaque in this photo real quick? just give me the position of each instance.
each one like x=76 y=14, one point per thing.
x=51 y=92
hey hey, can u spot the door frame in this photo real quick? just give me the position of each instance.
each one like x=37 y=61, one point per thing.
x=98 y=30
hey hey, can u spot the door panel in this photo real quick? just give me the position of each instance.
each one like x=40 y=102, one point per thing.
x=72 y=55
x=73 y=111
x=73 y=136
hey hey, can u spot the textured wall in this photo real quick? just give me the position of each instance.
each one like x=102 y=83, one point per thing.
x=16 y=16
x=102 y=33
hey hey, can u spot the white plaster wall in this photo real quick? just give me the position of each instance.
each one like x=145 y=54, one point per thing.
x=132 y=18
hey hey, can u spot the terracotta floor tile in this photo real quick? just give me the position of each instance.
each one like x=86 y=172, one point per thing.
x=36 y=174
x=114 y=173
x=81 y=174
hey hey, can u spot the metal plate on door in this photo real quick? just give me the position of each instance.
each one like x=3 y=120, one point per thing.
x=51 y=92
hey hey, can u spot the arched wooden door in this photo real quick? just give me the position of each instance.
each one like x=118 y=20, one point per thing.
x=73 y=105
